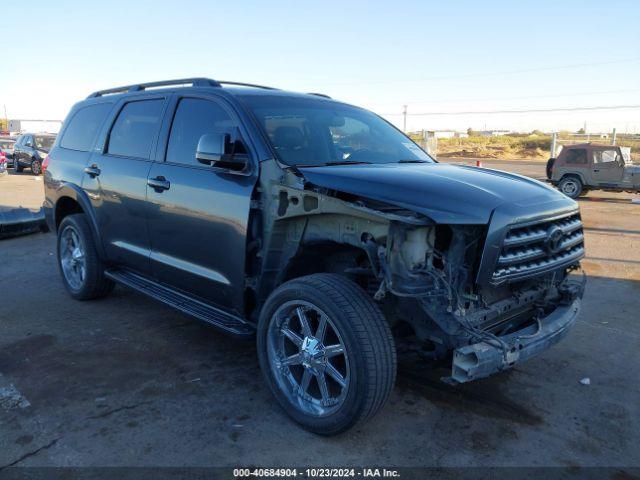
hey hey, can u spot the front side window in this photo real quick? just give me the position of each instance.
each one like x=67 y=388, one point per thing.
x=83 y=127
x=195 y=117
x=605 y=156
x=135 y=129
x=313 y=132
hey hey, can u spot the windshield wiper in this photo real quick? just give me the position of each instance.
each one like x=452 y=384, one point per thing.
x=347 y=162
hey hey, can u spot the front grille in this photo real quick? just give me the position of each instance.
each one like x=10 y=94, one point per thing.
x=533 y=248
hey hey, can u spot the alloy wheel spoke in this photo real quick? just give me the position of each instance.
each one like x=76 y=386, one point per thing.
x=295 y=359
x=322 y=327
x=333 y=350
x=304 y=321
x=331 y=370
x=322 y=385
x=291 y=335
x=306 y=379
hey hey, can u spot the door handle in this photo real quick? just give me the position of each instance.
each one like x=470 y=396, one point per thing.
x=93 y=171
x=159 y=184
x=596 y=170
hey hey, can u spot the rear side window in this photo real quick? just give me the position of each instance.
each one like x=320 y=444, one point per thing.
x=83 y=127
x=577 y=156
x=135 y=129
x=194 y=117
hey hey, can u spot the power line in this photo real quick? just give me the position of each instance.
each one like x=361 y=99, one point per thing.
x=493 y=74
x=526 y=97
x=532 y=110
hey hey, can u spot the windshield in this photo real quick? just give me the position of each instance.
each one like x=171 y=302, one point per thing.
x=626 y=155
x=314 y=132
x=44 y=143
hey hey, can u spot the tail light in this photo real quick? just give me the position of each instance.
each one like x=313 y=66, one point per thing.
x=45 y=163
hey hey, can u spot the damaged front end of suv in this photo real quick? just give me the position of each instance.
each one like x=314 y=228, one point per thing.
x=469 y=264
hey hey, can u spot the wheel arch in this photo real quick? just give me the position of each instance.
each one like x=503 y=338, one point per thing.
x=322 y=257
x=72 y=199
x=577 y=175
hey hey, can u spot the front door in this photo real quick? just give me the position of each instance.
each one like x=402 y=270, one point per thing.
x=607 y=166
x=198 y=215
x=115 y=180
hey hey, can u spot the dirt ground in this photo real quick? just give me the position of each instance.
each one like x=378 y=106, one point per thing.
x=126 y=381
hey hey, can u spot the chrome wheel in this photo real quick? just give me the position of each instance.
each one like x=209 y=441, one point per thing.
x=308 y=358
x=72 y=258
x=570 y=188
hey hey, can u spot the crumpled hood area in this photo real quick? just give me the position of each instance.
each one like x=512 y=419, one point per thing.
x=446 y=193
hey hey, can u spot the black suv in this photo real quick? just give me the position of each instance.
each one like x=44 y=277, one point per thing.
x=316 y=226
x=30 y=150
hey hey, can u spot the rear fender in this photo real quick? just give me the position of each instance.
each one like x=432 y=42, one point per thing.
x=76 y=193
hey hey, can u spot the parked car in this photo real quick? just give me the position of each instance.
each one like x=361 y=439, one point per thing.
x=316 y=226
x=30 y=151
x=590 y=166
x=6 y=149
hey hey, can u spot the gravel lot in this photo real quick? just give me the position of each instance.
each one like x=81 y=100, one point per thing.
x=126 y=381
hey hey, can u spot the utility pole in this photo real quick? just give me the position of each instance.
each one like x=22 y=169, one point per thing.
x=554 y=141
x=404 y=115
x=613 y=136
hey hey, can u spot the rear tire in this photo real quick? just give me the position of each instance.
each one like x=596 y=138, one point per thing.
x=570 y=186
x=78 y=261
x=330 y=402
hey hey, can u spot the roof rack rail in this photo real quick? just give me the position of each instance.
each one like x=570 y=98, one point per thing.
x=242 y=84
x=324 y=95
x=196 y=82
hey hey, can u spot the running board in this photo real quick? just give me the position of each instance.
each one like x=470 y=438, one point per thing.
x=202 y=311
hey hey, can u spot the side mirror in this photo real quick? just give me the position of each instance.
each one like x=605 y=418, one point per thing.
x=218 y=150
x=211 y=148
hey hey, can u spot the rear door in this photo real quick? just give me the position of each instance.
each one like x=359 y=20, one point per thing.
x=607 y=166
x=115 y=179
x=198 y=221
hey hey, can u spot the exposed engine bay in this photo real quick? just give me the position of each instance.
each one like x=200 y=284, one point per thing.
x=426 y=276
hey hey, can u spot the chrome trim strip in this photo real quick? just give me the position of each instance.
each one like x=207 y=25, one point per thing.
x=190 y=267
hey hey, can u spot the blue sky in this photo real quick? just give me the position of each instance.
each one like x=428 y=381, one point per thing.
x=433 y=56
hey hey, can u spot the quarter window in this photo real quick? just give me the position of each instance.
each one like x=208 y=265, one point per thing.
x=577 y=156
x=195 y=117
x=83 y=127
x=135 y=129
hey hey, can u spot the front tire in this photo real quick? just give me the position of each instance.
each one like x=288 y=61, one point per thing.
x=36 y=167
x=570 y=186
x=80 y=266
x=326 y=352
